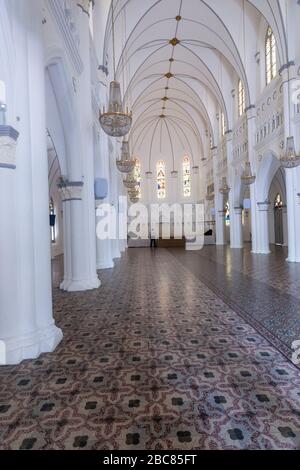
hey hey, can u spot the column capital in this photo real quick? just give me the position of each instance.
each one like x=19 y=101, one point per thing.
x=71 y=190
x=8 y=145
x=238 y=210
x=264 y=206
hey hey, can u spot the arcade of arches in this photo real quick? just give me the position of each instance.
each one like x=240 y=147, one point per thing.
x=111 y=344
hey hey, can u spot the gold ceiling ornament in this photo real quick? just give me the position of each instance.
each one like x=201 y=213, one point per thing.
x=174 y=42
x=290 y=159
x=162 y=116
x=172 y=59
x=178 y=18
x=116 y=122
x=165 y=98
x=248 y=177
x=225 y=189
x=169 y=75
x=126 y=164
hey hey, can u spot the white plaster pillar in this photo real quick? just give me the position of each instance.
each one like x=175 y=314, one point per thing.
x=293 y=214
x=255 y=228
x=219 y=204
x=86 y=115
x=27 y=327
x=236 y=232
x=263 y=244
x=285 y=226
x=104 y=247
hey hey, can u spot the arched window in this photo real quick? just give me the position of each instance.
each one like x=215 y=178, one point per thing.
x=271 y=56
x=186 y=167
x=138 y=176
x=241 y=98
x=161 y=179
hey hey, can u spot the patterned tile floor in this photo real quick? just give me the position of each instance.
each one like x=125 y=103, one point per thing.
x=154 y=359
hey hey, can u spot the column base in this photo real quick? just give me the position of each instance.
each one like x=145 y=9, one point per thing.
x=238 y=247
x=261 y=252
x=29 y=346
x=106 y=265
x=293 y=260
x=80 y=286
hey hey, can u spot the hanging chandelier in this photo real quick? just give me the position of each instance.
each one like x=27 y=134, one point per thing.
x=224 y=188
x=290 y=159
x=115 y=121
x=130 y=182
x=133 y=193
x=134 y=200
x=247 y=177
x=126 y=164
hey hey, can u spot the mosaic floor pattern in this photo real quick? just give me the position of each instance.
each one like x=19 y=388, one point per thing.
x=154 y=359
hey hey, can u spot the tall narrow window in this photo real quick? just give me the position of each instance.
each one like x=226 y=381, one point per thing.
x=223 y=124
x=161 y=179
x=241 y=98
x=138 y=176
x=186 y=177
x=271 y=56
x=52 y=220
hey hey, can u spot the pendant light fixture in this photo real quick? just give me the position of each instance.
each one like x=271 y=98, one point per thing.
x=115 y=121
x=247 y=177
x=225 y=189
x=126 y=164
x=130 y=182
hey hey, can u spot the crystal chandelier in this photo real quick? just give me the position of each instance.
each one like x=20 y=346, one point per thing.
x=125 y=164
x=130 y=182
x=224 y=188
x=134 y=200
x=290 y=159
x=248 y=178
x=115 y=121
x=133 y=193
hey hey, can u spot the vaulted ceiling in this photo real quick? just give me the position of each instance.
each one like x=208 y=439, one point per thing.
x=178 y=62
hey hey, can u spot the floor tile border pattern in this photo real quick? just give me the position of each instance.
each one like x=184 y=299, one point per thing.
x=259 y=327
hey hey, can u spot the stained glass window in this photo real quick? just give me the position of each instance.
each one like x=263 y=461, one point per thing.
x=241 y=98
x=138 y=176
x=161 y=179
x=186 y=177
x=271 y=56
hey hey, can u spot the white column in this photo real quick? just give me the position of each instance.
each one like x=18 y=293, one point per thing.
x=293 y=214
x=104 y=248
x=27 y=326
x=86 y=114
x=285 y=226
x=236 y=232
x=255 y=228
x=263 y=244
